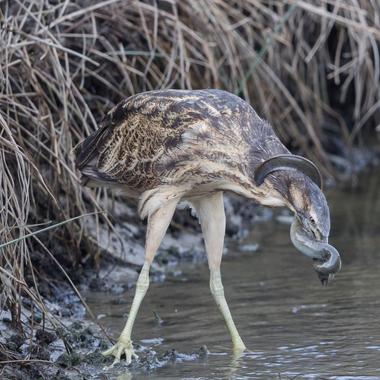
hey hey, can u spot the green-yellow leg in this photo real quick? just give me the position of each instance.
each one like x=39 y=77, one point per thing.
x=158 y=223
x=210 y=210
x=217 y=291
x=124 y=343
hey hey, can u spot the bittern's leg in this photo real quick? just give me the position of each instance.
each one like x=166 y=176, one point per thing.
x=210 y=211
x=158 y=223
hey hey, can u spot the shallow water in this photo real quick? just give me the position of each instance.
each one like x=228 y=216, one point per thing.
x=293 y=327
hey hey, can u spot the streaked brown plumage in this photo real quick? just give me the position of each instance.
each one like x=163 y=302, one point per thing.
x=178 y=138
x=164 y=146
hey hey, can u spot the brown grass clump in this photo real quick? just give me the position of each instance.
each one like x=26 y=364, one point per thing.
x=311 y=68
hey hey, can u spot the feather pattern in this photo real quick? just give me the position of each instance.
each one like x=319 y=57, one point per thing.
x=183 y=138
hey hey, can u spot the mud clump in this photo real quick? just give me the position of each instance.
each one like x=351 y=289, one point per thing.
x=69 y=360
x=45 y=337
x=97 y=359
x=15 y=342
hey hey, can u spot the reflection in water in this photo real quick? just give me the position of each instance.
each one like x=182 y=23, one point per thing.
x=292 y=325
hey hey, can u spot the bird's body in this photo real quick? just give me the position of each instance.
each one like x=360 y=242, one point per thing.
x=195 y=141
x=165 y=146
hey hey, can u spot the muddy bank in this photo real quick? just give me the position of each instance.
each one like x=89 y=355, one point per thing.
x=74 y=352
x=68 y=345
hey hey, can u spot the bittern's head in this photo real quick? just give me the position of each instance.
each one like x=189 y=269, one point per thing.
x=309 y=205
x=298 y=183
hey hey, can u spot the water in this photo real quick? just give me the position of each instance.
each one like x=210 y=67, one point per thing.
x=292 y=326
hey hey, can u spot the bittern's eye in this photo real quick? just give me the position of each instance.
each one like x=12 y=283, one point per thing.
x=312 y=221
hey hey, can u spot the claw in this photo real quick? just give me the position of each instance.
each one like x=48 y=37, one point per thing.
x=121 y=347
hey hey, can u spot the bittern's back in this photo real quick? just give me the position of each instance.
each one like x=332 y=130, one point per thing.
x=173 y=136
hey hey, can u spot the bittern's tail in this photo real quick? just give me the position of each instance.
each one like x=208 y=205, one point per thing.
x=86 y=158
x=88 y=149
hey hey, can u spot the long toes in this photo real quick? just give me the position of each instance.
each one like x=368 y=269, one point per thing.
x=128 y=356
x=117 y=355
x=109 y=351
x=119 y=352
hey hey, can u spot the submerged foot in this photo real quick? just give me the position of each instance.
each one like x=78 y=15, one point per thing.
x=121 y=347
x=238 y=347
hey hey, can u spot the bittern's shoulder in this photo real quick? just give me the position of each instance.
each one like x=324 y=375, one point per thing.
x=170 y=107
x=167 y=119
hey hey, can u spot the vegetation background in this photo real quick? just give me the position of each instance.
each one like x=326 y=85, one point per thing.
x=312 y=68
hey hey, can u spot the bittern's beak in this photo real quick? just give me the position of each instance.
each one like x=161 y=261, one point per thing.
x=326 y=258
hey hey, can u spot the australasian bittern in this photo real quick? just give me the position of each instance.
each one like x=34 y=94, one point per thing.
x=162 y=147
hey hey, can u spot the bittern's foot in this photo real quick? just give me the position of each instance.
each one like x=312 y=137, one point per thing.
x=121 y=347
x=238 y=346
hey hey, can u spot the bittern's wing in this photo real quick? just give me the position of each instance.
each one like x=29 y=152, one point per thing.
x=155 y=137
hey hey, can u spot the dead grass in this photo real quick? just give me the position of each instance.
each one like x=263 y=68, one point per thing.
x=311 y=68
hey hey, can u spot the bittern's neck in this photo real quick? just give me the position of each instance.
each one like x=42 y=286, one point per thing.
x=265 y=194
x=290 y=188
